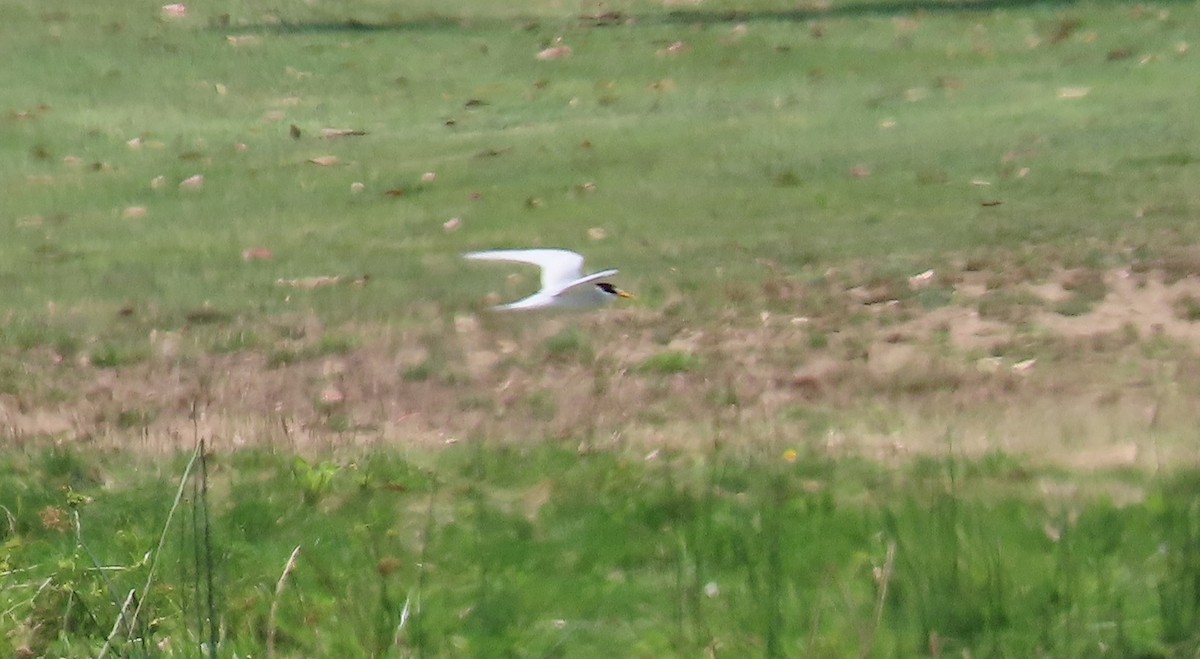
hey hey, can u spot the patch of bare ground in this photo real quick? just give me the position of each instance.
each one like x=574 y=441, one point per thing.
x=1143 y=303
x=1112 y=386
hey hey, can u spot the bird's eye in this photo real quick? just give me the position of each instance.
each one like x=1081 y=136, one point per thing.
x=607 y=287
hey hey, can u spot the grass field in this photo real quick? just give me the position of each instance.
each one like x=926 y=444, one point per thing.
x=911 y=371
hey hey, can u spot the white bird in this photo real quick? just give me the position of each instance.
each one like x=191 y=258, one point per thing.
x=564 y=286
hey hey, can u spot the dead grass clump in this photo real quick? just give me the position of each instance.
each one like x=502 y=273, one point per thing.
x=1063 y=29
x=1086 y=283
x=1007 y=305
x=995 y=280
x=1086 y=288
x=817 y=377
x=825 y=308
x=1109 y=342
x=781 y=292
x=1176 y=263
x=923 y=377
x=879 y=292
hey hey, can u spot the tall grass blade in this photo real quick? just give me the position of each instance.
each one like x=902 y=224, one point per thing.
x=213 y=626
x=883 y=579
x=404 y=614
x=162 y=538
x=417 y=635
x=272 y=616
x=108 y=642
x=100 y=571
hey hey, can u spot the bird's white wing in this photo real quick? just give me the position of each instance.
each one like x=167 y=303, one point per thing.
x=572 y=285
x=560 y=267
x=533 y=302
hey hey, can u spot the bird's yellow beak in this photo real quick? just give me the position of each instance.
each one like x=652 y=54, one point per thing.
x=626 y=294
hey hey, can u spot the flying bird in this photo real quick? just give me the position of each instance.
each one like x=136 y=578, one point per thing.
x=564 y=286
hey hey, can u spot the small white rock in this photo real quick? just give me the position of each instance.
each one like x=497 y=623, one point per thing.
x=922 y=280
x=193 y=182
x=332 y=396
x=1024 y=366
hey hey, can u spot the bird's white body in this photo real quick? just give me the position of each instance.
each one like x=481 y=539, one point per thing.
x=564 y=286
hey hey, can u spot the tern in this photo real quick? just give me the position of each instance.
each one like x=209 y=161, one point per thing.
x=564 y=286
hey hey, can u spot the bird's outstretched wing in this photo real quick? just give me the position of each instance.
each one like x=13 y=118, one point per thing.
x=572 y=285
x=560 y=267
x=535 y=301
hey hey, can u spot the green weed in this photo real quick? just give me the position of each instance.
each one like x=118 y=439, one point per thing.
x=1187 y=307
x=111 y=355
x=135 y=418
x=315 y=480
x=418 y=372
x=670 y=362
x=570 y=344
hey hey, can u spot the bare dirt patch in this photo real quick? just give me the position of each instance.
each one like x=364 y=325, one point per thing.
x=1108 y=388
x=1143 y=302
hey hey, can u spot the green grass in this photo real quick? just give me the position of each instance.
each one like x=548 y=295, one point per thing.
x=567 y=345
x=686 y=176
x=767 y=190
x=538 y=550
x=670 y=362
